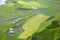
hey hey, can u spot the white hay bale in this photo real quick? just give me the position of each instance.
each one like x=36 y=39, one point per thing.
x=11 y=28
x=34 y=7
x=13 y=22
x=19 y=18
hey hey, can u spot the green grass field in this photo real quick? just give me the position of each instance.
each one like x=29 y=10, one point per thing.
x=9 y=11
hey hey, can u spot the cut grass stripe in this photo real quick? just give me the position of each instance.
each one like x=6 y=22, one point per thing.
x=32 y=25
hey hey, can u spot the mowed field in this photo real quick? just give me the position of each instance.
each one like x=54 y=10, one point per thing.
x=9 y=11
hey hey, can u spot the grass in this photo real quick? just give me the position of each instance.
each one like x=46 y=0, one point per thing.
x=32 y=25
x=8 y=11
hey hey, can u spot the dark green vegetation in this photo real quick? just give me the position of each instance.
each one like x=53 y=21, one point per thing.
x=13 y=9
